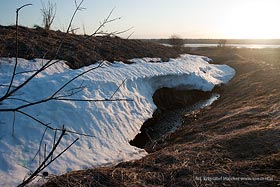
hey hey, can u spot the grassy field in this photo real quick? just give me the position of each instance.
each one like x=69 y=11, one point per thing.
x=234 y=142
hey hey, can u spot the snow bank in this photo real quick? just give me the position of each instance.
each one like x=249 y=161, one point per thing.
x=112 y=124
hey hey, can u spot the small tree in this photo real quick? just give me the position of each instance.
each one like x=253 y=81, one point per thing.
x=48 y=12
x=222 y=43
x=176 y=42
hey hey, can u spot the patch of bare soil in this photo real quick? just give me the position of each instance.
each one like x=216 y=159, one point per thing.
x=234 y=142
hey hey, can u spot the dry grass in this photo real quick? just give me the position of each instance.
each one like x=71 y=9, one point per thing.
x=234 y=142
x=77 y=50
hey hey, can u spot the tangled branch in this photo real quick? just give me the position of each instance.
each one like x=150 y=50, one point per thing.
x=49 y=158
x=61 y=94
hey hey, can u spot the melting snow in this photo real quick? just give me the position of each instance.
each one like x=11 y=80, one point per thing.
x=111 y=124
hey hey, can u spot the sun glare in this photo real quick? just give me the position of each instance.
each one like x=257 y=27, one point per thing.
x=253 y=20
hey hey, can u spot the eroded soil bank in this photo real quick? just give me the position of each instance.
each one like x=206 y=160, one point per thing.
x=233 y=142
x=172 y=105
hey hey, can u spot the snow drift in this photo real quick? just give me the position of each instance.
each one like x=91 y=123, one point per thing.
x=111 y=124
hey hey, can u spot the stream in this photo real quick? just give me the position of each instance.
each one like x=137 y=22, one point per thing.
x=172 y=106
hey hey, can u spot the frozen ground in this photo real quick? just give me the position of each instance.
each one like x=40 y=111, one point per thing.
x=111 y=124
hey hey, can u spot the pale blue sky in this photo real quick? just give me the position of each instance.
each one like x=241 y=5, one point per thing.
x=161 y=18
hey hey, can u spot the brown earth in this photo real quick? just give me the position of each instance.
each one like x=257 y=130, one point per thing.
x=234 y=142
x=77 y=50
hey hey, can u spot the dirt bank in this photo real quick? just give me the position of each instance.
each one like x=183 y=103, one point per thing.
x=77 y=50
x=172 y=105
x=234 y=142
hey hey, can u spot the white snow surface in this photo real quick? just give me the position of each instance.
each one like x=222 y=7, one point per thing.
x=112 y=124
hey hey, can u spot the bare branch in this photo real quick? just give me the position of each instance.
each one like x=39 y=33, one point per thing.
x=4 y=85
x=23 y=72
x=81 y=134
x=25 y=106
x=93 y=100
x=102 y=24
x=43 y=164
x=55 y=97
x=23 y=100
x=78 y=6
x=115 y=33
x=130 y=35
x=18 y=9
x=48 y=64
x=35 y=119
x=54 y=139
x=61 y=94
x=47 y=125
x=16 y=63
x=39 y=149
x=72 y=92
x=118 y=88
x=45 y=152
x=73 y=31
x=14 y=119
x=63 y=151
x=74 y=78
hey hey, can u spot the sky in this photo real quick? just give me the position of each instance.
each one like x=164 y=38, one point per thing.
x=231 y=19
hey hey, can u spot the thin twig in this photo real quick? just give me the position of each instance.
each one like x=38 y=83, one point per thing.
x=45 y=152
x=73 y=91
x=26 y=105
x=16 y=63
x=48 y=158
x=39 y=149
x=43 y=164
x=74 y=29
x=17 y=99
x=81 y=134
x=64 y=151
x=14 y=119
x=50 y=127
x=94 y=100
x=9 y=93
x=115 y=33
x=74 y=78
x=130 y=35
x=118 y=88
x=23 y=72
x=105 y=21
x=54 y=139
x=4 y=85
x=35 y=119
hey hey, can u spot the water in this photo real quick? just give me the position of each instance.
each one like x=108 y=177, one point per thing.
x=251 y=46
x=167 y=123
x=173 y=119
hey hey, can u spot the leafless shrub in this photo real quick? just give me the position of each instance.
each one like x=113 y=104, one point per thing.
x=222 y=43
x=48 y=12
x=176 y=42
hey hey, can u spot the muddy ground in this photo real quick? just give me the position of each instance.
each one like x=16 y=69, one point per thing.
x=234 y=142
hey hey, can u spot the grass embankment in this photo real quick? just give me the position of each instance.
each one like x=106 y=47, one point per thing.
x=234 y=142
x=77 y=50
